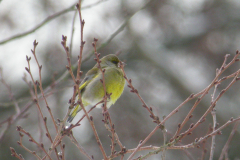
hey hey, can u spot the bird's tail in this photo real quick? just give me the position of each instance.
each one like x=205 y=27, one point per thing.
x=73 y=114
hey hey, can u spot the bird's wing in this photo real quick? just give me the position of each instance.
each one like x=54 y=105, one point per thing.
x=91 y=74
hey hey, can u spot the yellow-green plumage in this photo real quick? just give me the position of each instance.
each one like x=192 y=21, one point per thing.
x=91 y=88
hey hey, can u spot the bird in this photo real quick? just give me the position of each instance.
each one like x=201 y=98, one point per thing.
x=91 y=87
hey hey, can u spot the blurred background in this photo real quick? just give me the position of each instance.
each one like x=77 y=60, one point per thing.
x=172 y=49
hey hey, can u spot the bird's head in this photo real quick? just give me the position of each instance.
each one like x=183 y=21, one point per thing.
x=110 y=60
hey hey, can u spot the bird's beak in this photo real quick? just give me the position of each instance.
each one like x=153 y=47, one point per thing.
x=124 y=63
x=121 y=63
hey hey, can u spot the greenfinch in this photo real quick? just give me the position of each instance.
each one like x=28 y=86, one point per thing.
x=91 y=87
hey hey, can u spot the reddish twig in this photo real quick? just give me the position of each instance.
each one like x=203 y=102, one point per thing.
x=76 y=90
x=221 y=70
x=202 y=119
x=226 y=146
x=203 y=93
x=31 y=139
x=133 y=90
x=107 y=119
x=35 y=96
x=80 y=148
x=204 y=150
x=193 y=144
x=40 y=84
x=14 y=154
x=106 y=114
x=43 y=95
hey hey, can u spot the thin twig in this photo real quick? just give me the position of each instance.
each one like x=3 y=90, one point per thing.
x=14 y=154
x=143 y=142
x=106 y=114
x=67 y=131
x=28 y=150
x=226 y=146
x=80 y=148
x=164 y=131
x=31 y=139
x=62 y=156
x=41 y=88
x=213 y=113
x=204 y=150
x=58 y=137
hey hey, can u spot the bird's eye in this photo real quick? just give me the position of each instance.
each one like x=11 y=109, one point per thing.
x=115 y=62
